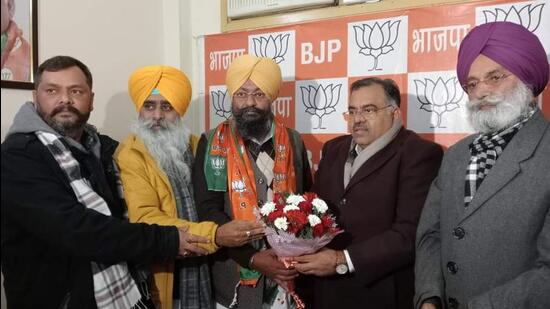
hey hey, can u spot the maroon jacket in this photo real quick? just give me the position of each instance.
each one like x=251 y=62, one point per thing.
x=379 y=211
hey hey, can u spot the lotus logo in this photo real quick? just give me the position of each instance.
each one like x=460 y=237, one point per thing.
x=218 y=164
x=528 y=16
x=320 y=101
x=281 y=152
x=279 y=177
x=221 y=103
x=438 y=97
x=377 y=39
x=274 y=47
x=238 y=186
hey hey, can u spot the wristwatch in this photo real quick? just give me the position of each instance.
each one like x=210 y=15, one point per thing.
x=341 y=265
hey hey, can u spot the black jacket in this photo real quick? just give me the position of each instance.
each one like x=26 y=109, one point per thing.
x=49 y=238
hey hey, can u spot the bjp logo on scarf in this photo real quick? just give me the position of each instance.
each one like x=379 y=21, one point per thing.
x=238 y=186
x=218 y=164
x=278 y=177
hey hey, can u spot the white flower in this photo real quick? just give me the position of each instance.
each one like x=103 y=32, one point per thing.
x=281 y=223
x=267 y=208
x=319 y=205
x=290 y=207
x=313 y=220
x=294 y=199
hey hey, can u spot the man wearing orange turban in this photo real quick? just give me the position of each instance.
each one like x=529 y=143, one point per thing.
x=155 y=166
x=237 y=163
x=166 y=81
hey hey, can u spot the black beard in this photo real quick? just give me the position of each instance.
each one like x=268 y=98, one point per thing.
x=252 y=122
x=65 y=127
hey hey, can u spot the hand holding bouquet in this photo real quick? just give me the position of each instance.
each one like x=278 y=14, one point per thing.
x=297 y=225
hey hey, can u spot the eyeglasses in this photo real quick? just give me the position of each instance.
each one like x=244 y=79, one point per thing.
x=257 y=96
x=368 y=111
x=493 y=81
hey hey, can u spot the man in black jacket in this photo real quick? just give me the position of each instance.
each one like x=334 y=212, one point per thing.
x=247 y=276
x=65 y=243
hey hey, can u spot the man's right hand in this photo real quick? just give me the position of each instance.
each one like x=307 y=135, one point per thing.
x=189 y=243
x=267 y=263
x=238 y=232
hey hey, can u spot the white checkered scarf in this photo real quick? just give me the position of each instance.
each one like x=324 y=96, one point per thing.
x=484 y=152
x=114 y=287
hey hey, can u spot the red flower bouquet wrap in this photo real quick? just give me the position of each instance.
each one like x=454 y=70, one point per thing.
x=297 y=225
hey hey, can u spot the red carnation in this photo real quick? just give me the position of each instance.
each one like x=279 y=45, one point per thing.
x=309 y=196
x=293 y=229
x=274 y=215
x=327 y=221
x=296 y=216
x=306 y=206
x=318 y=230
x=279 y=207
x=297 y=220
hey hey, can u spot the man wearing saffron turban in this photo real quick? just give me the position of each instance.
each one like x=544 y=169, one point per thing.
x=155 y=166
x=240 y=164
x=484 y=235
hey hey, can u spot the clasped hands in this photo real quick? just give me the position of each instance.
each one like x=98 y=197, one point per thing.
x=231 y=234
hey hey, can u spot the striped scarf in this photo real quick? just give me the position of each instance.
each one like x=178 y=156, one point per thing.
x=114 y=287
x=194 y=277
x=484 y=152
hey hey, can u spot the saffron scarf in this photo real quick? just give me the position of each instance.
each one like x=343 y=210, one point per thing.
x=227 y=168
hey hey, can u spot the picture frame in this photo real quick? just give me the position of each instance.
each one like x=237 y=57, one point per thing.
x=19 y=43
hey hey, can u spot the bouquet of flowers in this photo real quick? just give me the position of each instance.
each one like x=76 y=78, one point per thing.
x=297 y=225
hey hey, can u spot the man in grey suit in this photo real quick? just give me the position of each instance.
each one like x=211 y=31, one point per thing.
x=483 y=240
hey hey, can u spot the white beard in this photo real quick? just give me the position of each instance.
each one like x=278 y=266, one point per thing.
x=167 y=146
x=508 y=109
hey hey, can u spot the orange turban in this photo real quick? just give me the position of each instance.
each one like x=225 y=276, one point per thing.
x=170 y=82
x=263 y=72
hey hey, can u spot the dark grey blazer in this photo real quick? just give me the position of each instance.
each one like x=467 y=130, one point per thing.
x=496 y=252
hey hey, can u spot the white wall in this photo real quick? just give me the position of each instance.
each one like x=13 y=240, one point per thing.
x=113 y=38
x=198 y=18
x=109 y=39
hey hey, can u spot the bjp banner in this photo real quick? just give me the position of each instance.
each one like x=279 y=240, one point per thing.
x=319 y=60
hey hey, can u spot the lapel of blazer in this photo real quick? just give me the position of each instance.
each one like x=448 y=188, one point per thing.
x=339 y=164
x=507 y=166
x=376 y=161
